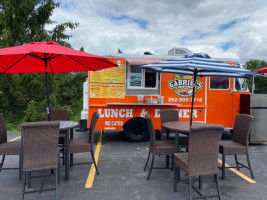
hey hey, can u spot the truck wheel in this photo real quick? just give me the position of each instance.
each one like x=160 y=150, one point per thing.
x=136 y=130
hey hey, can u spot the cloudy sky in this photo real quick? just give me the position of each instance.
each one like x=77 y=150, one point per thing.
x=220 y=28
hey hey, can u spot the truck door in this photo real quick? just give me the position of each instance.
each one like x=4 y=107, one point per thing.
x=220 y=101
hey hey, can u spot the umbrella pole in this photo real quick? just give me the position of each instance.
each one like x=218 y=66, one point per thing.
x=193 y=96
x=48 y=107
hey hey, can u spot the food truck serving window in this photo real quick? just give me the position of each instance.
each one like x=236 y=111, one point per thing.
x=139 y=78
x=219 y=83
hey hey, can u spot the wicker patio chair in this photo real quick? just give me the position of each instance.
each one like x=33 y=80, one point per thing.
x=8 y=148
x=162 y=147
x=202 y=157
x=60 y=115
x=169 y=115
x=239 y=145
x=86 y=145
x=40 y=151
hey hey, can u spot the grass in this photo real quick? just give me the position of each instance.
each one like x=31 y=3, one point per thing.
x=12 y=130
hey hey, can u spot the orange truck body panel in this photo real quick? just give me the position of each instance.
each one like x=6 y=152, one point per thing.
x=211 y=106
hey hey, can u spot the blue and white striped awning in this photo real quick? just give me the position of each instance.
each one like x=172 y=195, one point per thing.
x=202 y=65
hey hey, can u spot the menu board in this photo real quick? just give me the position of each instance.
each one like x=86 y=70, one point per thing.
x=107 y=90
x=110 y=75
x=108 y=83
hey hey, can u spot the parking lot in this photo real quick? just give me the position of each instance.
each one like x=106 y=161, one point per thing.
x=121 y=165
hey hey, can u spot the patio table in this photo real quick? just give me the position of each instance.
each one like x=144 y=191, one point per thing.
x=180 y=127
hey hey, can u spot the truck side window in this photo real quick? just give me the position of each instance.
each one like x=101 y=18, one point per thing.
x=241 y=84
x=219 y=83
x=142 y=78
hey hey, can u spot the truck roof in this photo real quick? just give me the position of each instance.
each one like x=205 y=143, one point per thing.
x=140 y=58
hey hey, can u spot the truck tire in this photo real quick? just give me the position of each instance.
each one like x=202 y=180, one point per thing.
x=136 y=130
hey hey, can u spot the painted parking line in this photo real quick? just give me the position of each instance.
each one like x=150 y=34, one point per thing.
x=15 y=139
x=91 y=176
x=238 y=173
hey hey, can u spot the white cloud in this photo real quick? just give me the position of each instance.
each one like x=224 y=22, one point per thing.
x=186 y=23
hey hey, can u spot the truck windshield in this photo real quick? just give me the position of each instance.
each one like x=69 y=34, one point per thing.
x=241 y=84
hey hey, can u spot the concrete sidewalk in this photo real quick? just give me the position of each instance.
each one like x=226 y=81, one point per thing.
x=122 y=176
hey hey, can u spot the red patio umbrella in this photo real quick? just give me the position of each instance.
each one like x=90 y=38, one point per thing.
x=48 y=57
x=262 y=70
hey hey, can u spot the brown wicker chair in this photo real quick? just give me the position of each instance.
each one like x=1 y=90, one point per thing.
x=40 y=150
x=202 y=157
x=169 y=115
x=8 y=148
x=86 y=145
x=60 y=115
x=239 y=145
x=163 y=147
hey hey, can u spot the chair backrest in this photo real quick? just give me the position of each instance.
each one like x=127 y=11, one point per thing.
x=59 y=115
x=151 y=133
x=203 y=149
x=40 y=145
x=92 y=126
x=3 y=133
x=168 y=115
x=242 y=128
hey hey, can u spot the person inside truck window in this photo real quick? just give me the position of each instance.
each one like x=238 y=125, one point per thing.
x=150 y=79
x=219 y=83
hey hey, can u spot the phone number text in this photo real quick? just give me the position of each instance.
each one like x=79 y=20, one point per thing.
x=184 y=100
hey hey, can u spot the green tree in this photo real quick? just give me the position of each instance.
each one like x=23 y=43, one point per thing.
x=260 y=82
x=23 y=96
x=24 y=21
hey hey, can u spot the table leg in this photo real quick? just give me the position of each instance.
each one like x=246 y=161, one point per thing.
x=176 y=169
x=167 y=161
x=20 y=165
x=67 y=157
x=167 y=156
x=176 y=178
x=71 y=155
x=167 y=134
x=177 y=146
x=29 y=180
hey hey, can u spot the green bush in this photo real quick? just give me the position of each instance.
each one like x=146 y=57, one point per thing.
x=23 y=97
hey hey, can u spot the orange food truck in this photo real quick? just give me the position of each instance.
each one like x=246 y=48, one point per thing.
x=122 y=95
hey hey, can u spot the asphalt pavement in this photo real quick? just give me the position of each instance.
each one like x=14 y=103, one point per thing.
x=122 y=175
